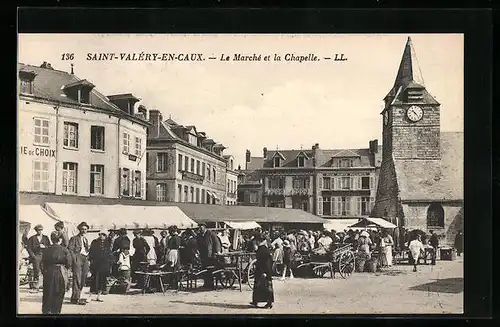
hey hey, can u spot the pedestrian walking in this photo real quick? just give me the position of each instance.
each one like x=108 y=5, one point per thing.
x=79 y=248
x=209 y=246
x=288 y=258
x=263 y=284
x=56 y=261
x=386 y=244
x=459 y=242
x=36 y=246
x=99 y=255
x=416 y=248
x=435 y=245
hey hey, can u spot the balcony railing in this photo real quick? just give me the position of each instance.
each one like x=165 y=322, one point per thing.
x=231 y=194
x=299 y=191
x=186 y=175
x=275 y=191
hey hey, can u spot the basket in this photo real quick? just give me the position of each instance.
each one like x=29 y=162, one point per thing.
x=371 y=265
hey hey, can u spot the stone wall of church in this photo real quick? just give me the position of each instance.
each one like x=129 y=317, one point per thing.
x=416 y=218
x=386 y=202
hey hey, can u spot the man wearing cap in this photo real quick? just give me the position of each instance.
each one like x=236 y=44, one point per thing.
x=36 y=246
x=59 y=227
x=122 y=242
x=209 y=246
x=79 y=248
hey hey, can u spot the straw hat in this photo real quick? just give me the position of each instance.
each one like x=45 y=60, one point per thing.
x=286 y=243
x=103 y=232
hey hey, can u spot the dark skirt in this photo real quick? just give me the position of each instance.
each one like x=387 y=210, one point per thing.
x=98 y=281
x=263 y=290
x=54 y=287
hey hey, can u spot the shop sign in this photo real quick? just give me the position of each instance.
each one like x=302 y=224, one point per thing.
x=38 y=151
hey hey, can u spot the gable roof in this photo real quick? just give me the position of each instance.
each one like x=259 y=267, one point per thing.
x=289 y=157
x=49 y=85
x=434 y=179
x=277 y=153
x=303 y=154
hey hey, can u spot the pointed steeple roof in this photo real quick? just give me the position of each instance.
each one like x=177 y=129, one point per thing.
x=409 y=73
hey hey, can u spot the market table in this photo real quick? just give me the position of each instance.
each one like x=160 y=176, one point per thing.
x=148 y=275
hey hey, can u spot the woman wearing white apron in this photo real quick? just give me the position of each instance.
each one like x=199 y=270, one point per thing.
x=151 y=255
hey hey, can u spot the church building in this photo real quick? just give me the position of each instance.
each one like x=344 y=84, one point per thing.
x=421 y=176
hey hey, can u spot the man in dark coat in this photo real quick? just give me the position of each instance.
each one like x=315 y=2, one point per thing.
x=209 y=246
x=56 y=260
x=263 y=285
x=79 y=247
x=434 y=241
x=59 y=227
x=99 y=255
x=36 y=246
x=122 y=242
x=141 y=251
x=459 y=242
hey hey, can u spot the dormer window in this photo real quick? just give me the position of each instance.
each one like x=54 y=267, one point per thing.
x=26 y=82
x=344 y=163
x=300 y=161
x=79 y=91
x=277 y=162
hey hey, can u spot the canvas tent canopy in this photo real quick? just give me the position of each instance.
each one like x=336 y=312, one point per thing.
x=121 y=216
x=373 y=222
x=33 y=215
x=339 y=225
x=243 y=225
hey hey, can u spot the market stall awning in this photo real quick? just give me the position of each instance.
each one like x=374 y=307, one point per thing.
x=122 y=216
x=339 y=225
x=34 y=215
x=243 y=225
x=377 y=222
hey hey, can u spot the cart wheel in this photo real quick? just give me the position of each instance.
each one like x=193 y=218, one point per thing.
x=227 y=279
x=346 y=264
x=319 y=271
x=251 y=273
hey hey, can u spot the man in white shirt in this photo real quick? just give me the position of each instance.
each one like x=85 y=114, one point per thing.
x=79 y=248
x=325 y=241
x=416 y=247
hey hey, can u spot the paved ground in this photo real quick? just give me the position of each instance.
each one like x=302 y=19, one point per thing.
x=433 y=289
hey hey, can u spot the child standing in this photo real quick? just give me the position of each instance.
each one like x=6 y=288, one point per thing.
x=287 y=259
x=124 y=269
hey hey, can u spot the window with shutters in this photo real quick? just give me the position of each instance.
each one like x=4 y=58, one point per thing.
x=161 y=192
x=277 y=161
x=326 y=183
x=41 y=131
x=345 y=205
x=138 y=147
x=254 y=197
x=301 y=182
x=301 y=161
x=365 y=206
x=365 y=182
x=26 y=86
x=179 y=162
x=126 y=143
x=96 y=179
x=138 y=183
x=162 y=162
x=327 y=206
x=40 y=176
x=276 y=182
x=346 y=183
x=70 y=137
x=179 y=193
x=69 y=184
x=125 y=181
x=320 y=206
x=97 y=138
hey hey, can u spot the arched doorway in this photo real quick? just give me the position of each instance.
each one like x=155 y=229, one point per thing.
x=435 y=215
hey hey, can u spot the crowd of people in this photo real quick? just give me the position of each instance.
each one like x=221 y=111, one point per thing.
x=109 y=255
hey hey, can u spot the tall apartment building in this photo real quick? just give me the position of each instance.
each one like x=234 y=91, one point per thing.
x=73 y=140
x=328 y=183
x=185 y=165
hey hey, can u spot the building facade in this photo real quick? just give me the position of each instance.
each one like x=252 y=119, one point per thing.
x=329 y=183
x=231 y=181
x=184 y=165
x=421 y=178
x=73 y=140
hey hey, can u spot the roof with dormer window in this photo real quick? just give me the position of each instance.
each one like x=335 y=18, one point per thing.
x=302 y=154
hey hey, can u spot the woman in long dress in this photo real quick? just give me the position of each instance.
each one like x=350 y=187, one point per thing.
x=386 y=244
x=263 y=286
x=151 y=255
x=99 y=255
x=56 y=261
x=416 y=248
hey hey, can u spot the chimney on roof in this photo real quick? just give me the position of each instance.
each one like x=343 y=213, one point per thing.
x=264 y=153
x=46 y=65
x=143 y=111
x=373 y=146
x=248 y=156
x=155 y=118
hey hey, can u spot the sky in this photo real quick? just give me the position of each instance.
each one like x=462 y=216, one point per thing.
x=273 y=104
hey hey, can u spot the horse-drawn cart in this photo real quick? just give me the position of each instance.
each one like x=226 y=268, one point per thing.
x=339 y=260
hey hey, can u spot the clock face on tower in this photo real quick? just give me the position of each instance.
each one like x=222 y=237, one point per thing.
x=414 y=113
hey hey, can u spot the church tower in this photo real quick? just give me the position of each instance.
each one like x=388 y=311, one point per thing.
x=411 y=116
